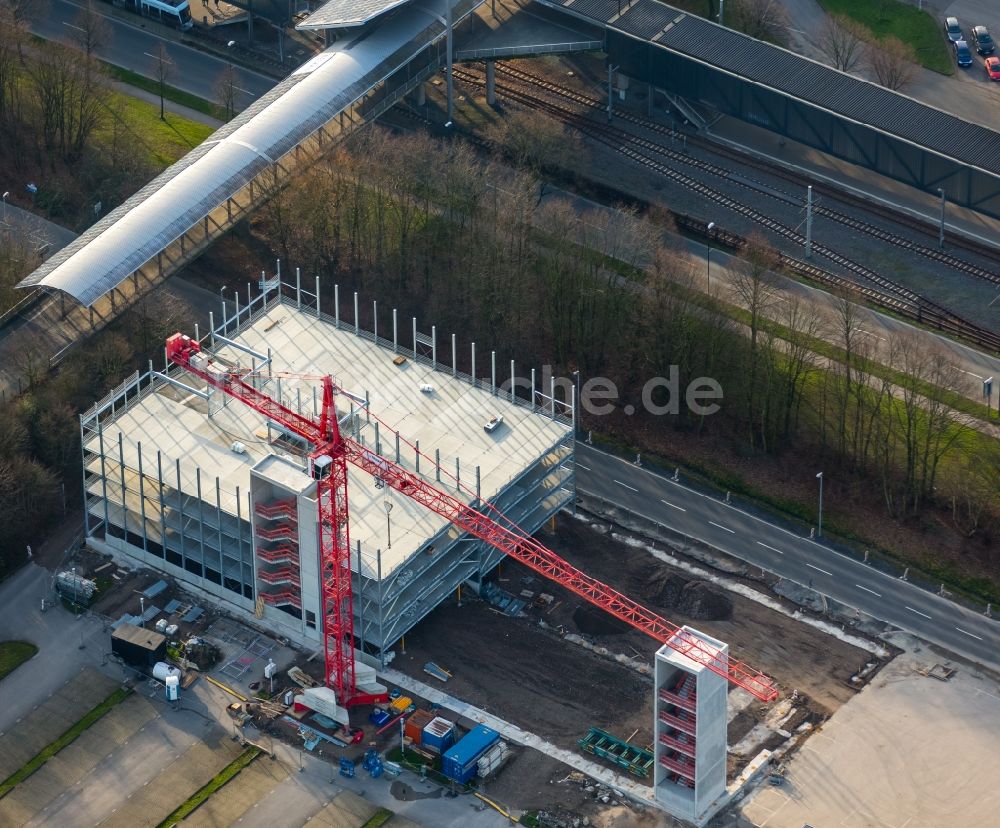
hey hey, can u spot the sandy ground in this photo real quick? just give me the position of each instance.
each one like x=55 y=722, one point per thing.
x=909 y=750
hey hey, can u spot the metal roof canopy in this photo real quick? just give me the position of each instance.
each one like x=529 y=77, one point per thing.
x=157 y=215
x=796 y=76
x=343 y=13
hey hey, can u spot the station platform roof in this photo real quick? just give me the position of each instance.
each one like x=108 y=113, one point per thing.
x=344 y=13
x=798 y=77
x=112 y=249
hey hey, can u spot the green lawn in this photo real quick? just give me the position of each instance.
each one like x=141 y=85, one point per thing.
x=13 y=654
x=164 y=140
x=917 y=28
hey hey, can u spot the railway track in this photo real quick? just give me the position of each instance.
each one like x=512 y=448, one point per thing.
x=932 y=253
x=892 y=296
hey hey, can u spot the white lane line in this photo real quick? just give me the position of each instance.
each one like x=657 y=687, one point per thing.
x=674 y=505
x=626 y=486
x=730 y=531
x=761 y=543
x=872 y=591
x=968 y=634
x=580 y=465
x=820 y=570
x=918 y=612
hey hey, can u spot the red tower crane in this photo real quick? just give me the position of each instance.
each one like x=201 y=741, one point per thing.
x=331 y=453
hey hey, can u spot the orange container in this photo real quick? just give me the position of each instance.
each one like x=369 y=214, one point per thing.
x=415 y=724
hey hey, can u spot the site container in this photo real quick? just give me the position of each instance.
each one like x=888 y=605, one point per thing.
x=460 y=762
x=438 y=735
x=415 y=724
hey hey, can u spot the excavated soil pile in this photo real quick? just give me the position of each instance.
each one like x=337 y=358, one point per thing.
x=698 y=600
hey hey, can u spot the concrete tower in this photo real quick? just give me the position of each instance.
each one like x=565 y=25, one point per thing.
x=689 y=727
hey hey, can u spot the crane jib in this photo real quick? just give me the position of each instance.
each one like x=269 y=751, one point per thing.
x=506 y=537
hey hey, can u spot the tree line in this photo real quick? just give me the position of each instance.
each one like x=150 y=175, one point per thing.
x=441 y=232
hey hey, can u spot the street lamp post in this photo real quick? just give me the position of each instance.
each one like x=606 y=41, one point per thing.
x=819 y=522
x=576 y=402
x=5 y=195
x=388 y=522
x=708 y=256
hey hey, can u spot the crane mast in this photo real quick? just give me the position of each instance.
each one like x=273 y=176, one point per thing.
x=328 y=461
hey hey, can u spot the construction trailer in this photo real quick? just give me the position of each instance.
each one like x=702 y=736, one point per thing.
x=182 y=479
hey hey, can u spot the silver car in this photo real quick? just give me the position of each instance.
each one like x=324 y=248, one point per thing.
x=952 y=30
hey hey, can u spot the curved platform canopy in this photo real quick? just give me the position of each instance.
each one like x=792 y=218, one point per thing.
x=184 y=194
x=336 y=14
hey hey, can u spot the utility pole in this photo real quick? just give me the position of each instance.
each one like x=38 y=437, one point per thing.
x=708 y=258
x=941 y=229
x=819 y=523
x=809 y=222
x=611 y=71
x=448 y=49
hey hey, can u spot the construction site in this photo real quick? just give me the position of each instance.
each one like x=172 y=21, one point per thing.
x=210 y=470
x=325 y=532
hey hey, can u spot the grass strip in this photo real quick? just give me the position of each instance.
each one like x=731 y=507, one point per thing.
x=186 y=808
x=13 y=654
x=170 y=93
x=891 y=18
x=67 y=738
x=380 y=817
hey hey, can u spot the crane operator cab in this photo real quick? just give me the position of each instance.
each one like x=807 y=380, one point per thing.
x=321 y=466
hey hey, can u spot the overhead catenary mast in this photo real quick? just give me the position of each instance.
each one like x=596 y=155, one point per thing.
x=328 y=460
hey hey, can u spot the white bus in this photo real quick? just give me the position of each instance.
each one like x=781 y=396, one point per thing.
x=175 y=13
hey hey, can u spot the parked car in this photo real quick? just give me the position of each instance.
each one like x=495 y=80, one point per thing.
x=963 y=55
x=993 y=68
x=981 y=37
x=952 y=30
x=492 y=424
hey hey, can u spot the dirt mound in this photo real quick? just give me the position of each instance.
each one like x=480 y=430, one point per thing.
x=703 y=602
x=593 y=621
x=695 y=599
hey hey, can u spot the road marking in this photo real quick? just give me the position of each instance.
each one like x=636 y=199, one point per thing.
x=580 y=465
x=626 y=486
x=761 y=543
x=820 y=570
x=872 y=591
x=918 y=612
x=674 y=505
x=968 y=634
x=731 y=531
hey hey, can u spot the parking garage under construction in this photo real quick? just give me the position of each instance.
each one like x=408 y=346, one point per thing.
x=184 y=480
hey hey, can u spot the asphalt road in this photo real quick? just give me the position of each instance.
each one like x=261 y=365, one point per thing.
x=785 y=553
x=131 y=48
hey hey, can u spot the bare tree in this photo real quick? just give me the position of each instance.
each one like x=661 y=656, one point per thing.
x=225 y=91
x=842 y=40
x=13 y=34
x=90 y=30
x=755 y=286
x=892 y=62
x=762 y=19
x=162 y=69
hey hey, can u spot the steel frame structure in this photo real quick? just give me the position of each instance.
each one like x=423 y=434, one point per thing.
x=329 y=457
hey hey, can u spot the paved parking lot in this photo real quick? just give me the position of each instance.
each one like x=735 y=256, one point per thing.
x=131 y=768
x=909 y=750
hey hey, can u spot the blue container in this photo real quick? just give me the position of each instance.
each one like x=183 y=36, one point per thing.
x=438 y=736
x=459 y=762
